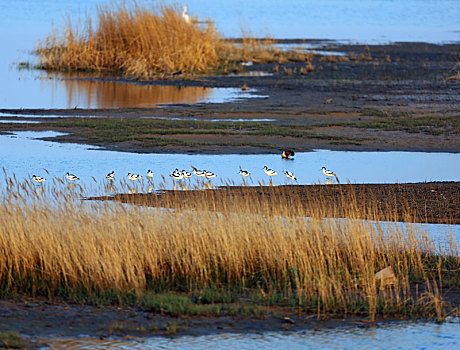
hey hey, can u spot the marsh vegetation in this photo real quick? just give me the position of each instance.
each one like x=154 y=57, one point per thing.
x=153 y=41
x=224 y=262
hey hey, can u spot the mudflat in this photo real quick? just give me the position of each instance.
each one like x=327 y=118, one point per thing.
x=403 y=96
x=434 y=202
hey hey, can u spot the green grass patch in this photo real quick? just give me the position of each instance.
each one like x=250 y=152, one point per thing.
x=203 y=303
x=426 y=125
x=150 y=132
x=11 y=340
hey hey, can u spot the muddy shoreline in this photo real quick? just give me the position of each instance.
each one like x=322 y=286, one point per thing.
x=385 y=98
x=435 y=202
x=41 y=318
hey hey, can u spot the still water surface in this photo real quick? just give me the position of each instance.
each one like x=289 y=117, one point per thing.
x=24 y=154
x=410 y=335
x=23 y=23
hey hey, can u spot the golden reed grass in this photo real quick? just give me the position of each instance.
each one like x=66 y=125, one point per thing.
x=142 y=41
x=135 y=40
x=52 y=243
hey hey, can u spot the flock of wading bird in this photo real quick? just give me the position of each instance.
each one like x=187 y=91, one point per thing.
x=184 y=174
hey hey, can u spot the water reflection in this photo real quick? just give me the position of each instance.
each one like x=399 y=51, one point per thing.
x=397 y=335
x=109 y=94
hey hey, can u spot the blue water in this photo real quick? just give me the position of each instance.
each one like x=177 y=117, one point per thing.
x=409 y=335
x=23 y=154
x=23 y=23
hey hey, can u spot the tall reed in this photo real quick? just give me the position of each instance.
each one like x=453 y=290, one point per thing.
x=148 y=41
x=54 y=244
x=136 y=40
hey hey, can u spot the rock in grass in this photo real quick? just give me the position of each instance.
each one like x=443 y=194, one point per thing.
x=386 y=276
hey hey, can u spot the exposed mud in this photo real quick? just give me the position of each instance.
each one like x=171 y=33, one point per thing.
x=418 y=202
x=406 y=81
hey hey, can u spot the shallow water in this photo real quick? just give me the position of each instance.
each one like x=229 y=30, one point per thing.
x=50 y=116
x=408 y=335
x=35 y=89
x=24 y=154
x=23 y=23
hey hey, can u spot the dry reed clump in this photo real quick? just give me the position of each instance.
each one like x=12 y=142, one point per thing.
x=136 y=41
x=455 y=76
x=54 y=244
x=145 y=42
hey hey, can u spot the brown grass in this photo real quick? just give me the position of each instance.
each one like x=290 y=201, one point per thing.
x=455 y=68
x=144 y=42
x=135 y=40
x=54 y=244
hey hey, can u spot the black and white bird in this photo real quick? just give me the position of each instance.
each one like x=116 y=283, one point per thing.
x=328 y=172
x=110 y=176
x=150 y=174
x=134 y=177
x=270 y=172
x=244 y=173
x=198 y=173
x=38 y=179
x=186 y=174
x=177 y=175
x=209 y=174
x=72 y=177
x=289 y=175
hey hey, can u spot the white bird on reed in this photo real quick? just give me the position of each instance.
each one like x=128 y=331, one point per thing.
x=134 y=177
x=72 y=177
x=270 y=172
x=38 y=179
x=185 y=16
x=110 y=176
x=150 y=174
x=289 y=175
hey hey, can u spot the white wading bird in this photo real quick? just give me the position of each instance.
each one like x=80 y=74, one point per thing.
x=134 y=177
x=209 y=174
x=329 y=173
x=38 y=179
x=72 y=177
x=110 y=176
x=185 y=16
x=270 y=172
x=198 y=173
x=244 y=173
x=186 y=174
x=289 y=175
x=177 y=175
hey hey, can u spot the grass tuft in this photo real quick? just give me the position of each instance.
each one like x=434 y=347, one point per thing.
x=144 y=41
x=11 y=340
